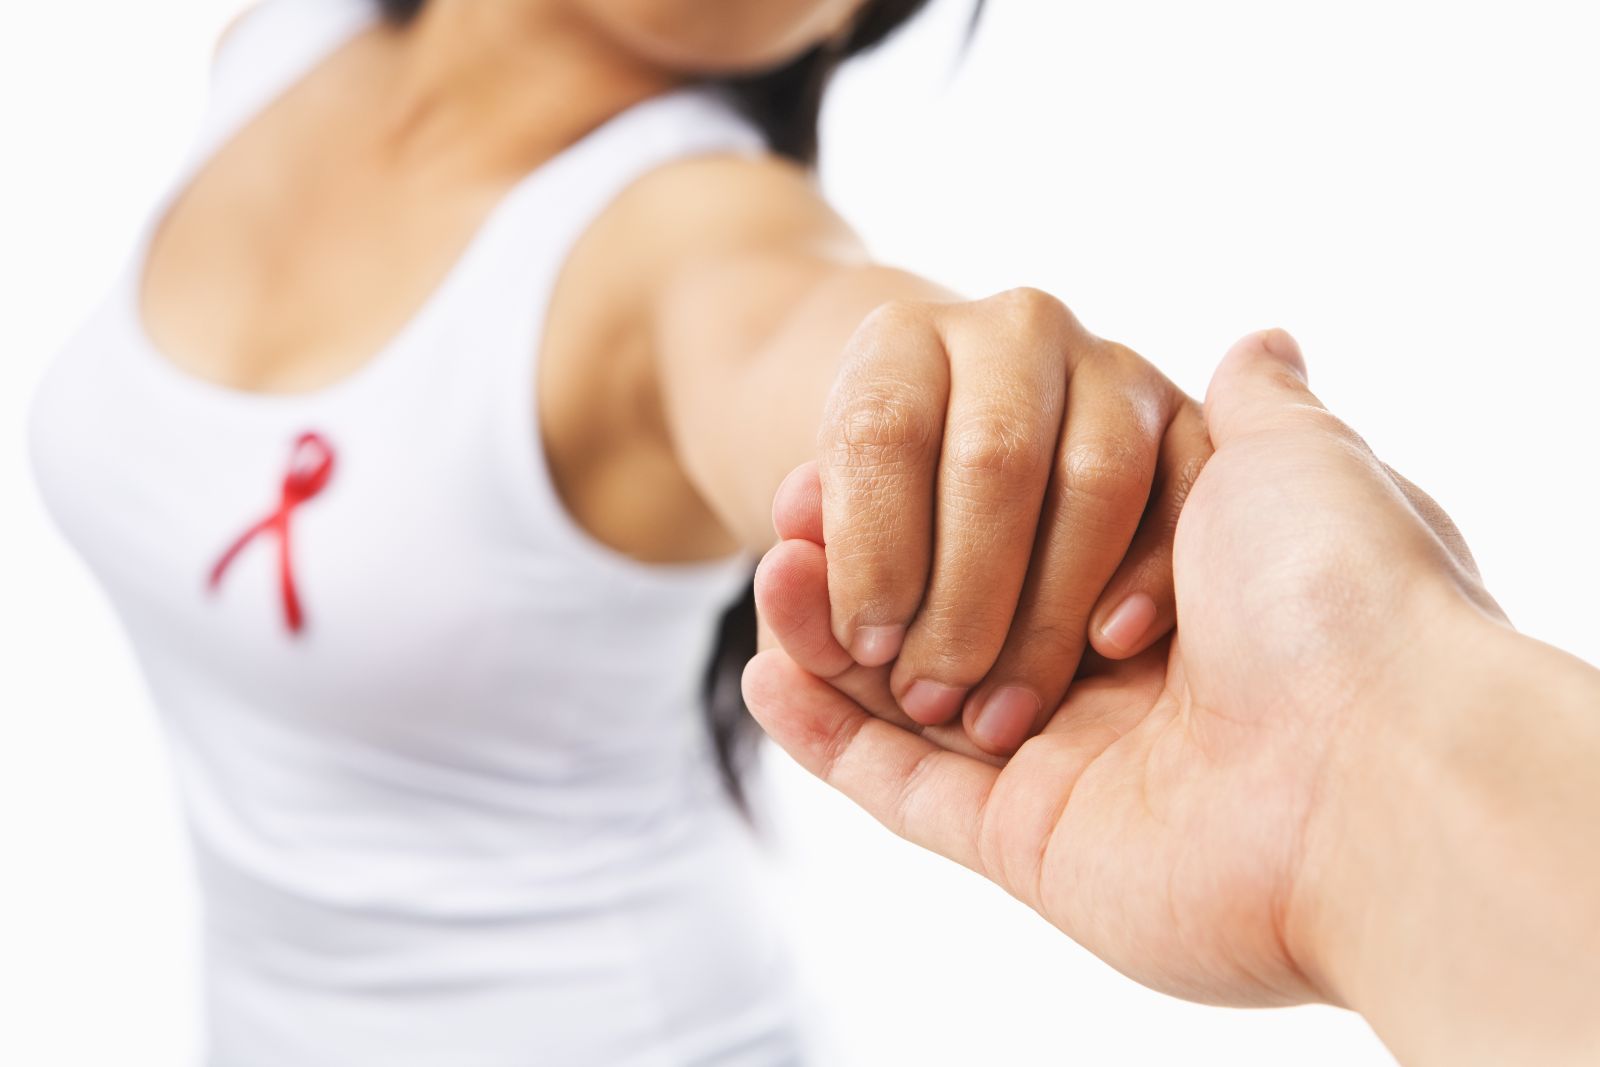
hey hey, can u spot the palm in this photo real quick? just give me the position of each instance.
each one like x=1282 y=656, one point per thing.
x=1157 y=817
x=1160 y=815
x=1157 y=832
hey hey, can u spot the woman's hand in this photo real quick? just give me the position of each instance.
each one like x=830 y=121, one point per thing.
x=999 y=490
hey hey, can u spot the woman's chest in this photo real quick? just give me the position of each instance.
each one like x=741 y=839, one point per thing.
x=442 y=615
x=372 y=569
x=227 y=520
x=282 y=272
x=287 y=262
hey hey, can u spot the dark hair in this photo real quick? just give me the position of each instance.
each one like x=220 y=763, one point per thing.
x=785 y=104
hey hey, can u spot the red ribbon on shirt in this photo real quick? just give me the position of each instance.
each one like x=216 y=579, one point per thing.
x=310 y=467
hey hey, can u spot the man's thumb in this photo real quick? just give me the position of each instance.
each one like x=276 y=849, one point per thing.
x=1260 y=381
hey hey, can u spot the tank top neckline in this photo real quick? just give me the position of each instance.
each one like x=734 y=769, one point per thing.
x=381 y=360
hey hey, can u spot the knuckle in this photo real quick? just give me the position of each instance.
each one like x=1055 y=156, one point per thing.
x=1052 y=647
x=1120 y=355
x=832 y=745
x=892 y=317
x=958 y=648
x=994 y=448
x=1123 y=371
x=1106 y=472
x=1326 y=423
x=1056 y=643
x=1033 y=311
x=874 y=586
x=906 y=807
x=1183 y=480
x=879 y=424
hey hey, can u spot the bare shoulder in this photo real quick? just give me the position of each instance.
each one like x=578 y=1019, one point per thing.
x=701 y=237
x=700 y=256
x=711 y=253
x=599 y=395
x=736 y=199
x=712 y=213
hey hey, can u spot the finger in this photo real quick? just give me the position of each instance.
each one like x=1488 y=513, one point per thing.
x=797 y=505
x=921 y=792
x=791 y=586
x=999 y=439
x=1259 y=385
x=1104 y=471
x=1139 y=604
x=879 y=449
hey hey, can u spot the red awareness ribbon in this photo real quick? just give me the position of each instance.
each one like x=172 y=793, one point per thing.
x=310 y=467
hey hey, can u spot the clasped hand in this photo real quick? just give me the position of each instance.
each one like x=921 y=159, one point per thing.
x=1176 y=808
x=997 y=489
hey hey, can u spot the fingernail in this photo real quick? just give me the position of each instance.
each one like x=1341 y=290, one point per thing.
x=1005 y=718
x=930 y=703
x=1281 y=343
x=875 y=646
x=1127 y=625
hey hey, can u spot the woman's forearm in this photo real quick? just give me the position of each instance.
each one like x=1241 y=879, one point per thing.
x=745 y=392
x=1456 y=901
x=989 y=470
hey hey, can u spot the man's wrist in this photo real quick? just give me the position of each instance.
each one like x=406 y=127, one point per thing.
x=1446 y=892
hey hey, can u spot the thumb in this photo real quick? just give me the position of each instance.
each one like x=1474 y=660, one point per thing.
x=1258 y=384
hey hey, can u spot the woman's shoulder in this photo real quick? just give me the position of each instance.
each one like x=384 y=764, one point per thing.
x=696 y=209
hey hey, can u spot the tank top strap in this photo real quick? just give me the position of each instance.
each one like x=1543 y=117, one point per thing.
x=560 y=200
x=537 y=225
x=266 y=50
x=494 y=301
x=535 y=230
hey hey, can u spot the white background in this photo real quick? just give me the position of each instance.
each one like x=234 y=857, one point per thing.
x=1409 y=186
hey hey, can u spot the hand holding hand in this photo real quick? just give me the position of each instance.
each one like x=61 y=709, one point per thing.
x=1168 y=814
x=999 y=488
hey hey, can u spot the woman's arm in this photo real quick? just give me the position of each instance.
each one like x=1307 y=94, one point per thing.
x=998 y=481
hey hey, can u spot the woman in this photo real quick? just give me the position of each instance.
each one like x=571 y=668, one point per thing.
x=429 y=434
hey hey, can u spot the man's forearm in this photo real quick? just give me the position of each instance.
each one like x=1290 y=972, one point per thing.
x=1457 y=897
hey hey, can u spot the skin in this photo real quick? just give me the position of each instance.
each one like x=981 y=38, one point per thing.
x=1002 y=485
x=1344 y=778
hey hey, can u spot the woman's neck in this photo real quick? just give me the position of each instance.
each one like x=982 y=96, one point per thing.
x=503 y=83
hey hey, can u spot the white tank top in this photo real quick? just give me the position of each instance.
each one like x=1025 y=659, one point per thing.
x=442 y=753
